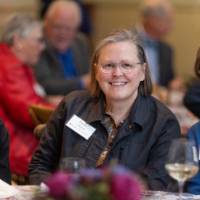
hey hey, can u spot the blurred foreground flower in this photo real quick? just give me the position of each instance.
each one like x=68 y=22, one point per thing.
x=111 y=183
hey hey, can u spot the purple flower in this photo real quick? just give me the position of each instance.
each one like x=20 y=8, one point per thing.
x=119 y=169
x=90 y=176
x=125 y=186
x=59 y=184
x=115 y=182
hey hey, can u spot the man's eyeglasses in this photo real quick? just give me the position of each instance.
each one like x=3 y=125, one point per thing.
x=124 y=67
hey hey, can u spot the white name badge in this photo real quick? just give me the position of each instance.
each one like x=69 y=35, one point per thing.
x=80 y=126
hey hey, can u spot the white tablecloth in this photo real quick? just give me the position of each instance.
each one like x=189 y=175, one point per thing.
x=158 y=195
x=27 y=193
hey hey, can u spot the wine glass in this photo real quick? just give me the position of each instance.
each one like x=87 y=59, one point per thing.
x=182 y=163
x=72 y=164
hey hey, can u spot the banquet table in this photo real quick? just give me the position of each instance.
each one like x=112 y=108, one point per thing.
x=27 y=193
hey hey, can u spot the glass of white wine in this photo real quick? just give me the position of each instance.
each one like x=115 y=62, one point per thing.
x=182 y=163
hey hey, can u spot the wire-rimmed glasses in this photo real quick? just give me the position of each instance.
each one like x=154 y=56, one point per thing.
x=125 y=67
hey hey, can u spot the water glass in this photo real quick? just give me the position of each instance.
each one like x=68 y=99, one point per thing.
x=72 y=164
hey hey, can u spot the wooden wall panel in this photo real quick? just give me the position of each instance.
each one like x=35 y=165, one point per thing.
x=108 y=15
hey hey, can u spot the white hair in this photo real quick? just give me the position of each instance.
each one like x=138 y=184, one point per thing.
x=67 y=5
x=20 y=24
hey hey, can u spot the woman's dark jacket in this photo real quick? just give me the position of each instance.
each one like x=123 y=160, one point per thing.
x=192 y=98
x=141 y=144
x=4 y=154
x=193 y=184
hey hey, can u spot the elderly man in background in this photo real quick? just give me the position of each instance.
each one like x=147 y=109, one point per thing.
x=64 y=64
x=156 y=23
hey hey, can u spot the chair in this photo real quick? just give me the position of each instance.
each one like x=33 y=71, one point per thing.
x=40 y=116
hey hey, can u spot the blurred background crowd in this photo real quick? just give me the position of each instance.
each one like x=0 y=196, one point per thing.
x=184 y=36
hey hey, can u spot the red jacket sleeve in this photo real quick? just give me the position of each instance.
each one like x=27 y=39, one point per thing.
x=17 y=92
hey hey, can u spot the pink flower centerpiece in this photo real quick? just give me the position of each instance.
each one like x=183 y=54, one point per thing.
x=110 y=183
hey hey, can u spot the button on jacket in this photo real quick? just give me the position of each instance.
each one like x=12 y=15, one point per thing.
x=141 y=144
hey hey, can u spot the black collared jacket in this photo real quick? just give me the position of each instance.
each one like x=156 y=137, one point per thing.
x=4 y=154
x=141 y=144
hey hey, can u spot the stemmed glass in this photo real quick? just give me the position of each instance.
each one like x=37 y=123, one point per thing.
x=72 y=164
x=182 y=163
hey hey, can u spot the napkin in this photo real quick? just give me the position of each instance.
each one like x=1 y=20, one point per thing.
x=7 y=190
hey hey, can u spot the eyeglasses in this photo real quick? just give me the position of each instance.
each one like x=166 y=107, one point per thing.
x=124 y=67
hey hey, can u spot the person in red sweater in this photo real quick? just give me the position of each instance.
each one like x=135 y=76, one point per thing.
x=21 y=47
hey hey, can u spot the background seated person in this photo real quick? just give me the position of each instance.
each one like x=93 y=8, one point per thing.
x=4 y=154
x=192 y=96
x=155 y=24
x=124 y=119
x=64 y=64
x=193 y=185
x=21 y=47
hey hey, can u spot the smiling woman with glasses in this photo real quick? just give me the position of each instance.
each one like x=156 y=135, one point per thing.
x=117 y=119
